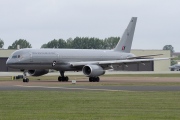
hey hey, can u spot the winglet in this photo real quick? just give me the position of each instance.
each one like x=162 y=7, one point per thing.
x=124 y=45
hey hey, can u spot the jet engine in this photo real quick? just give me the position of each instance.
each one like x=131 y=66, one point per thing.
x=38 y=72
x=93 y=70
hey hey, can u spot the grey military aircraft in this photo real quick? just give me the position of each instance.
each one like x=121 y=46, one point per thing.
x=175 y=67
x=92 y=63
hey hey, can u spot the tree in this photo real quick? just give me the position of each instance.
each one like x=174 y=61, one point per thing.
x=169 y=47
x=55 y=44
x=69 y=43
x=61 y=43
x=22 y=42
x=87 y=43
x=1 y=43
x=83 y=43
x=44 y=46
x=173 y=62
x=110 y=43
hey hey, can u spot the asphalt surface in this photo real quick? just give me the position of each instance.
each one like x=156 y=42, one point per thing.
x=27 y=87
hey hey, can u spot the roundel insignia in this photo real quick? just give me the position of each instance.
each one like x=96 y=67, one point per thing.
x=123 y=47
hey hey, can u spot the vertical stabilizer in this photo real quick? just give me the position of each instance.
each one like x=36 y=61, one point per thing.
x=124 y=45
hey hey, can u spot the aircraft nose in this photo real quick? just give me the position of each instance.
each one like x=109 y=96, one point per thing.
x=8 y=62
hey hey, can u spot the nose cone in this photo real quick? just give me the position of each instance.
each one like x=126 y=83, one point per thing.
x=8 y=62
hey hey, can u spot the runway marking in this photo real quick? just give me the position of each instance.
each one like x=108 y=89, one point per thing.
x=69 y=88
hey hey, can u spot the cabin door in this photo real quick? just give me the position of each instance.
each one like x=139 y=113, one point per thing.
x=31 y=57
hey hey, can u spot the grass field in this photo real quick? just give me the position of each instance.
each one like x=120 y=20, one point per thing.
x=89 y=105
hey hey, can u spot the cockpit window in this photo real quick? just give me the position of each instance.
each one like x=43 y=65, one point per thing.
x=16 y=56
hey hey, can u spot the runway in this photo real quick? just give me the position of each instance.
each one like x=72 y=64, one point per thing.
x=69 y=87
x=113 y=83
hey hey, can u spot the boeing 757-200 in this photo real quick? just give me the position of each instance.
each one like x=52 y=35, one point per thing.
x=92 y=63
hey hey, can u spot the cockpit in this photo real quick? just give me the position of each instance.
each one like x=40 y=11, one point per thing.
x=16 y=56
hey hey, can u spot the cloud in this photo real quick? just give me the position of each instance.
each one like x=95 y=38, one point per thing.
x=44 y=20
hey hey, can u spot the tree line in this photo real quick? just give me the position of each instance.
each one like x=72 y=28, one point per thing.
x=76 y=43
x=83 y=43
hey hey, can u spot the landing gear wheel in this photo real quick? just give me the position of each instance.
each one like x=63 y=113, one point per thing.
x=90 y=79
x=25 y=80
x=66 y=79
x=97 y=79
x=94 y=79
x=59 y=78
x=24 y=76
x=63 y=79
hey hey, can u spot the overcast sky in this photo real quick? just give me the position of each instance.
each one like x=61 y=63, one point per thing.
x=40 y=21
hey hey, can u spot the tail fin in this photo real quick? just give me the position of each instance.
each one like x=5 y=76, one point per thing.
x=124 y=45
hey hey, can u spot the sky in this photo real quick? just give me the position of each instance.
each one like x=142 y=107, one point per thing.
x=40 y=21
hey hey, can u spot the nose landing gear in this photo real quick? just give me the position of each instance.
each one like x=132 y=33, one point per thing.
x=25 y=79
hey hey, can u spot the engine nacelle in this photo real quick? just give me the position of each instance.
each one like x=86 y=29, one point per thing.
x=93 y=70
x=38 y=72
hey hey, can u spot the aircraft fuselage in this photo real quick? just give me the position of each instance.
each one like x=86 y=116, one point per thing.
x=59 y=59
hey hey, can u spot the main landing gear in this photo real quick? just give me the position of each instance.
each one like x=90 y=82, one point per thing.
x=94 y=79
x=25 y=79
x=62 y=77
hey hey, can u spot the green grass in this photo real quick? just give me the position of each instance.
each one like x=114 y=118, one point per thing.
x=89 y=105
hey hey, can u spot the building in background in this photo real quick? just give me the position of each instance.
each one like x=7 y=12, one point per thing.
x=162 y=65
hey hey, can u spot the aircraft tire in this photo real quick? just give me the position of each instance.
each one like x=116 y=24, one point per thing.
x=59 y=78
x=90 y=79
x=66 y=78
x=97 y=79
x=94 y=79
x=25 y=80
x=63 y=79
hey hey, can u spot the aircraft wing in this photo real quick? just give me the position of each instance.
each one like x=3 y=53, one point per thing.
x=74 y=64
x=144 y=56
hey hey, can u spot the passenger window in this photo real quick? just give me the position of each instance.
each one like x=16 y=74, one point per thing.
x=18 y=56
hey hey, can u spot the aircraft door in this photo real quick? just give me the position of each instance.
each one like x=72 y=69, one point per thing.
x=58 y=57
x=31 y=57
